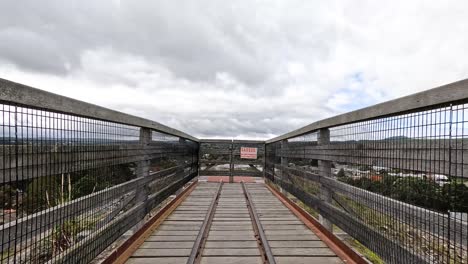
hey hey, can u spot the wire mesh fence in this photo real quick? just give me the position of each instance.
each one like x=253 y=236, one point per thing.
x=71 y=185
x=223 y=158
x=397 y=184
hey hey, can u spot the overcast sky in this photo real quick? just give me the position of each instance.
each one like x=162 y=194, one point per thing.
x=242 y=69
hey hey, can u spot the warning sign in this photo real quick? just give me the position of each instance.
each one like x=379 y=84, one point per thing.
x=248 y=153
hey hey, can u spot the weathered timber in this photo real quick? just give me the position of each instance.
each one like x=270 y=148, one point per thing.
x=450 y=93
x=11 y=92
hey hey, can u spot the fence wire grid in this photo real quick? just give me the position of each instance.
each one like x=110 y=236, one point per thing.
x=70 y=185
x=398 y=185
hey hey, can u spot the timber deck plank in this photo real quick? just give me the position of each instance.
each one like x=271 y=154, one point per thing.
x=231 y=238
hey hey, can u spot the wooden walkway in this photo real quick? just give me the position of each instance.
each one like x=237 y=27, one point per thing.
x=232 y=223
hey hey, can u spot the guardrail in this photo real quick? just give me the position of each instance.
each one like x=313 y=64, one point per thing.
x=76 y=176
x=394 y=176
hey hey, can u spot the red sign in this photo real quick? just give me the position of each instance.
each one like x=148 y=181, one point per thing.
x=248 y=153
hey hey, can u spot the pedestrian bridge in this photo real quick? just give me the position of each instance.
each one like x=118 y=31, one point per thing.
x=233 y=223
x=84 y=184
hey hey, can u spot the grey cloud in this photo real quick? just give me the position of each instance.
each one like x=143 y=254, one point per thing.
x=193 y=44
x=31 y=51
x=232 y=68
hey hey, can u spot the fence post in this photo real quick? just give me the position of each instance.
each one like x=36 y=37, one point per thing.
x=284 y=162
x=143 y=166
x=199 y=158
x=183 y=143
x=231 y=163
x=325 y=171
x=264 y=161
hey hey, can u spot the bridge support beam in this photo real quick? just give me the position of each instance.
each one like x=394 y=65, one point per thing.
x=325 y=171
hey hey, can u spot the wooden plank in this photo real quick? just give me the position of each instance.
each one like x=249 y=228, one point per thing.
x=231 y=228
x=171 y=238
x=308 y=260
x=167 y=244
x=230 y=238
x=231 y=252
x=231 y=233
x=277 y=222
x=323 y=252
x=407 y=156
x=296 y=237
x=290 y=232
x=285 y=227
x=297 y=244
x=11 y=92
x=166 y=260
x=179 y=227
x=231 y=260
x=162 y=252
x=178 y=223
x=175 y=233
x=231 y=244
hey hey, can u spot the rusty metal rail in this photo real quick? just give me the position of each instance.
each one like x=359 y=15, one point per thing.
x=195 y=254
x=258 y=229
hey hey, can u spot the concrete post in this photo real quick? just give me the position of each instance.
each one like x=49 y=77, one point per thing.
x=325 y=171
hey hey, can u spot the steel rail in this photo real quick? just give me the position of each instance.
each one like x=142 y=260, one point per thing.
x=203 y=233
x=258 y=228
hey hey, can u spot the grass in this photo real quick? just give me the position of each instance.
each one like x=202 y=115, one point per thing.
x=58 y=240
x=424 y=244
x=367 y=253
x=313 y=188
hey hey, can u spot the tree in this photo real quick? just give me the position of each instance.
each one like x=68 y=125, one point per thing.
x=420 y=192
x=457 y=194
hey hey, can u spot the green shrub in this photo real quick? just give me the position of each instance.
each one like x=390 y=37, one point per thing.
x=8 y=197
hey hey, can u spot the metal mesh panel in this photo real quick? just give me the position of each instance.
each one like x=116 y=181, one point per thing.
x=397 y=184
x=222 y=158
x=70 y=186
